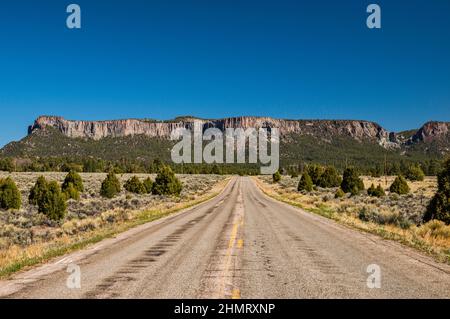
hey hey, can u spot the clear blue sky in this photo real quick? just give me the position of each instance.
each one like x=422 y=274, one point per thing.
x=217 y=58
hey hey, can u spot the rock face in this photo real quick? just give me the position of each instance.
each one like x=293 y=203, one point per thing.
x=431 y=131
x=359 y=130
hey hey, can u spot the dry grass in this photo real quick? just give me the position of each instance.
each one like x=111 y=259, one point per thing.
x=392 y=217
x=28 y=238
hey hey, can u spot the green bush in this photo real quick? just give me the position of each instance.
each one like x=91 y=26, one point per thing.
x=351 y=183
x=339 y=193
x=276 y=177
x=329 y=178
x=52 y=202
x=75 y=179
x=148 y=184
x=399 y=186
x=314 y=171
x=376 y=191
x=305 y=183
x=166 y=183
x=110 y=186
x=37 y=190
x=415 y=173
x=134 y=185
x=10 y=197
x=71 y=192
x=439 y=206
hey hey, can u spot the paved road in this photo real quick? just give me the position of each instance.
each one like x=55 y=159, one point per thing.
x=240 y=244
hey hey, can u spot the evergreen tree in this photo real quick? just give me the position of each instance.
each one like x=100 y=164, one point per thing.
x=37 y=190
x=166 y=183
x=351 y=183
x=71 y=192
x=148 y=184
x=329 y=178
x=314 y=171
x=75 y=179
x=399 y=186
x=433 y=168
x=305 y=183
x=439 y=207
x=134 y=185
x=276 y=177
x=415 y=173
x=376 y=191
x=379 y=191
x=52 y=202
x=110 y=186
x=10 y=197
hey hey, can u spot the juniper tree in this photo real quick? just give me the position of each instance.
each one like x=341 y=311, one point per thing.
x=10 y=197
x=439 y=207
x=166 y=183
x=399 y=186
x=110 y=186
x=305 y=183
x=134 y=185
x=351 y=183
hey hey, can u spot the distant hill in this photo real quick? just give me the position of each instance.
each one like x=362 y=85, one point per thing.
x=361 y=143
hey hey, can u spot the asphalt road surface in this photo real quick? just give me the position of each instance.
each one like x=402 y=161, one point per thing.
x=240 y=244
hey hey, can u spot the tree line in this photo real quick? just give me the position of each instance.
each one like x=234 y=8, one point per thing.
x=92 y=165
x=351 y=183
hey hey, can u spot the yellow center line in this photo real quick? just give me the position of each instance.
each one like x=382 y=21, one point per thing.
x=239 y=221
x=229 y=251
x=232 y=238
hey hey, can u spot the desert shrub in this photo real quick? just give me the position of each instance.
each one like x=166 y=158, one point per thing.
x=9 y=194
x=339 y=193
x=351 y=183
x=399 y=186
x=71 y=192
x=166 y=183
x=367 y=215
x=37 y=190
x=329 y=178
x=415 y=173
x=403 y=222
x=383 y=218
x=439 y=206
x=305 y=183
x=110 y=186
x=314 y=171
x=376 y=191
x=276 y=177
x=435 y=228
x=148 y=184
x=52 y=202
x=75 y=179
x=134 y=185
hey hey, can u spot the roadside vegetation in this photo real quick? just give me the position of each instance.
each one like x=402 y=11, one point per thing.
x=413 y=210
x=43 y=215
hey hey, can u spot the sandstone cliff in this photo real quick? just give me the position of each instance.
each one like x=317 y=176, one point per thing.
x=359 y=130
